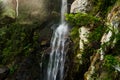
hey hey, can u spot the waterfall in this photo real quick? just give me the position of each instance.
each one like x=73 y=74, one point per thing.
x=63 y=10
x=55 y=70
x=17 y=5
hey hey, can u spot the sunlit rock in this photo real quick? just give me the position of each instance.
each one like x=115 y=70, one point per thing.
x=83 y=31
x=8 y=8
x=113 y=24
x=108 y=41
x=80 y=6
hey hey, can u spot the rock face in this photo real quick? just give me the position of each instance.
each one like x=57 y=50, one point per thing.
x=32 y=36
x=29 y=11
x=114 y=22
x=35 y=19
x=3 y=72
x=96 y=61
x=28 y=70
x=9 y=10
x=33 y=10
x=80 y=6
x=78 y=66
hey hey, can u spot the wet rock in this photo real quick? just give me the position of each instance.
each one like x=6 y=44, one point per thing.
x=29 y=70
x=3 y=72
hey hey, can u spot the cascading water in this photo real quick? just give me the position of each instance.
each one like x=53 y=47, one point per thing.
x=17 y=5
x=56 y=63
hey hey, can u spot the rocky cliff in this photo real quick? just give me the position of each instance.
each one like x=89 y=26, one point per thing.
x=26 y=27
x=96 y=56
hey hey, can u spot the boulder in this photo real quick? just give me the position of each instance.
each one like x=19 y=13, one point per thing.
x=3 y=72
x=80 y=6
x=8 y=8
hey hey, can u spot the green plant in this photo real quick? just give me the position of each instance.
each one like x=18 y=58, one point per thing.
x=15 y=39
x=81 y=19
x=75 y=33
x=110 y=61
x=13 y=68
x=97 y=33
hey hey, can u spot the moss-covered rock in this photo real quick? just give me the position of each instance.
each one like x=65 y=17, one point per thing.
x=109 y=41
x=89 y=60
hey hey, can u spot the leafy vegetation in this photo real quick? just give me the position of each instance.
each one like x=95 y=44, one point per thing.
x=13 y=68
x=21 y=39
x=96 y=27
x=110 y=61
x=97 y=33
x=81 y=19
x=102 y=7
x=116 y=49
x=74 y=33
x=15 y=40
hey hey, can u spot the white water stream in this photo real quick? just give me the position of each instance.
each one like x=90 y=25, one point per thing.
x=17 y=5
x=55 y=70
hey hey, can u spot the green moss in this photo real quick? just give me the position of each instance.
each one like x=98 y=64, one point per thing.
x=75 y=33
x=75 y=38
x=16 y=40
x=97 y=33
x=1 y=8
x=116 y=49
x=9 y=12
x=110 y=61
